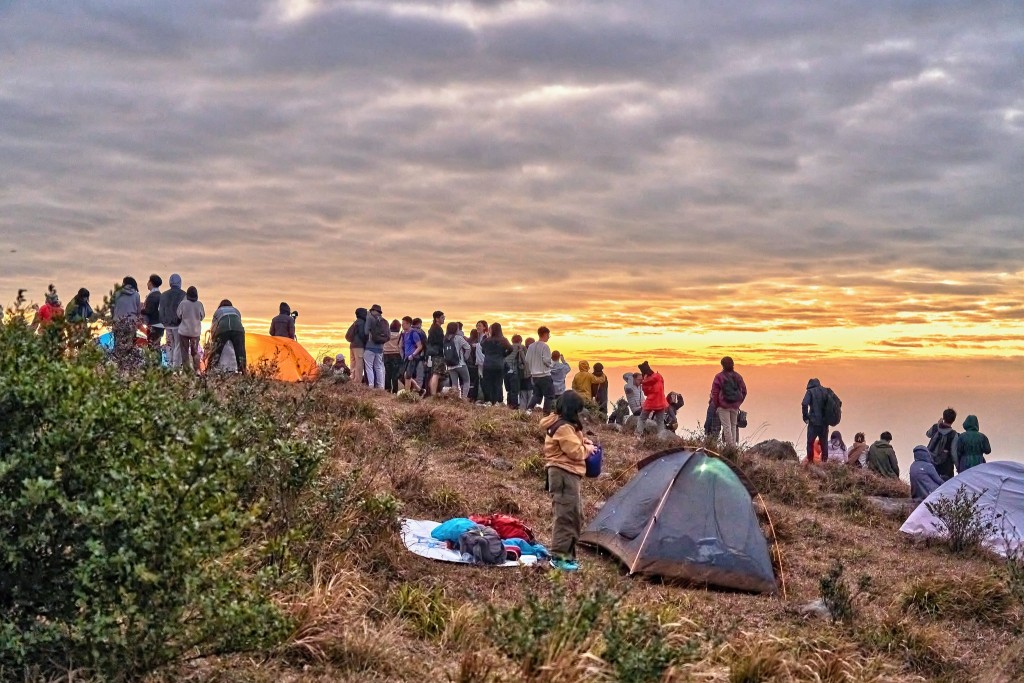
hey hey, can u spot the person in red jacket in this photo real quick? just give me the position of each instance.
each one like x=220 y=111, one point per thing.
x=655 y=404
x=728 y=392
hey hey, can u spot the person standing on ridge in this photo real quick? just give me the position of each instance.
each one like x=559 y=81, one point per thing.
x=560 y=369
x=728 y=391
x=514 y=363
x=972 y=446
x=191 y=313
x=456 y=351
x=126 y=310
x=943 y=443
x=393 y=358
x=412 y=351
x=435 y=354
x=356 y=338
x=655 y=403
x=495 y=348
x=813 y=408
x=377 y=332
x=79 y=310
x=169 y=301
x=227 y=329
x=525 y=379
x=50 y=312
x=151 y=312
x=632 y=392
x=601 y=389
x=539 y=365
x=283 y=324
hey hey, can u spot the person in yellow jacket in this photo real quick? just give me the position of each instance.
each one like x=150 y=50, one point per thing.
x=585 y=382
x=565 y=454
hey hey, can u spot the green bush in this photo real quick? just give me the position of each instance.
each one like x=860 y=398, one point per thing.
x=839 y=600
x=964 y=524
x=122 y=499
x=636 y=647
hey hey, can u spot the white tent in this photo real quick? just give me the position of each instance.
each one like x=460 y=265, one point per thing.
x=1002 y=487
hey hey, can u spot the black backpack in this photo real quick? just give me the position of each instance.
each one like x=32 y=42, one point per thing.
x=381 y=332
x=484 y=544
x=833 y=408
x=451 y=352
x=731 y=388
x=941 y=447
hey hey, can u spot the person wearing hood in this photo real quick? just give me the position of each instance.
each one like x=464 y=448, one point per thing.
x=151 y=312
x=515 y=363
x=169 y=302
x=943 y=443
x=377 y=331
x=356 y=338
x=565 y=456
x=972 y=446
x=631 y=391
x=601 y=388
x=126 y=310
x=560 y=369
x=836 y=448
x=283 y=324
x=539 y=364
x=49 y=312
x=728 y=391
x=583 y=380
x=191 y=314
x=79 y=310
x=675 y=404
x=882 y=458
x=857 y=453
x=924 y=478
x=458 y=374
x=655 y=404
x=227 y=328
x=712 y=425
x=813 y=409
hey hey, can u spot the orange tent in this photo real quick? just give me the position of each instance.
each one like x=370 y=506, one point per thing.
x=293 y=362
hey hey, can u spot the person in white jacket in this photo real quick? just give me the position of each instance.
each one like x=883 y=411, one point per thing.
x=191 y=313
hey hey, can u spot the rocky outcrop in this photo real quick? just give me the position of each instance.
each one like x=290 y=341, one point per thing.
x=773 y=449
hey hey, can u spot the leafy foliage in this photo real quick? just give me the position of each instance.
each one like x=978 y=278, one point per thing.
x=839 y=599
x=964 y=524
x=123 y=500
x=636 y=647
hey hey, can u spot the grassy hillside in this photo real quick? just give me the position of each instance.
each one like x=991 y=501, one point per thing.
x=371 y=611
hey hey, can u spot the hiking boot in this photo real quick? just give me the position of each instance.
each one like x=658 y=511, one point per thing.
x=564 y=565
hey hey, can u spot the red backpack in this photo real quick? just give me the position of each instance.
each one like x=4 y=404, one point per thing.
x=507 y=526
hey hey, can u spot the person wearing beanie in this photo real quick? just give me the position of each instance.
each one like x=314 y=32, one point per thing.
x=356 y=338
x=191 y=314
x=655 y=404
x=728 y=391
x=283 y=324
x=169 y=301
x=151 y=312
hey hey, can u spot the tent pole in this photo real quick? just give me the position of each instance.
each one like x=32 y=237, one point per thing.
x=775 y=542
x=657 y=511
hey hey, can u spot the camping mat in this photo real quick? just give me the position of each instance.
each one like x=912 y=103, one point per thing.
x=417 y=538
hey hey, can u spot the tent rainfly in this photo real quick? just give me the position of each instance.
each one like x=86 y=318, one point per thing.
x=686 y=515
x=1001 y=485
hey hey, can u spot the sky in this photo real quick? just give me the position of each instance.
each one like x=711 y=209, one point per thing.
x=785 y=182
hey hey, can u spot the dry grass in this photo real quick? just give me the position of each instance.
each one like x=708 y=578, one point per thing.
x=955 y=598
x=351 y=625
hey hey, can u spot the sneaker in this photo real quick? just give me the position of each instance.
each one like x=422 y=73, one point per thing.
x=564 y=565
x=529 y=412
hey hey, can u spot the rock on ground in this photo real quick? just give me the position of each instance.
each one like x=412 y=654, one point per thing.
x=773 y=449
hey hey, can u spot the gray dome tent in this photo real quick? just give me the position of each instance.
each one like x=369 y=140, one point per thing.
x=686 y=515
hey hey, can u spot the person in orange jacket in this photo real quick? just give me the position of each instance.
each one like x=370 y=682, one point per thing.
x=655 y=404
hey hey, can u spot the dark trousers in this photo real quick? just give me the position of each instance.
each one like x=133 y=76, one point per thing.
x=474 y=382
x=491 y=384
x=819 y=432
x=237 y=340
x=566 y=511
x=543 y=387
x=512 y=387
x=154 y=335
x=392 y=369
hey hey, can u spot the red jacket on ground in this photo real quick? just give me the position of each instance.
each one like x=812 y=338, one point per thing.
x=654 y=392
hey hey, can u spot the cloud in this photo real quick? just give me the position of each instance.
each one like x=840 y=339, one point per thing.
x=725 y=170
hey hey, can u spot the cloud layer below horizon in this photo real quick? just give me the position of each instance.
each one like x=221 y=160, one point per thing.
x=792 y=179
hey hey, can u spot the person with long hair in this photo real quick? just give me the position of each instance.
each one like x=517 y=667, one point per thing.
x=565 y=460
x=458 y=374
x=393 y=358
x=836 y=448
x=495 y=349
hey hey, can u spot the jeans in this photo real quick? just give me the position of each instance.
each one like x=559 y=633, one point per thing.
x=566 y=511
x=730 y=430
x=173 y=347
x=819 y=432
x=459 y=378
x=356 y=363
x=543 y=388
x=392 y=370
x=657 y=415
x=373 y=363
x=189 y=347
x=491 y=384
x=237 y=340
x=512 y=387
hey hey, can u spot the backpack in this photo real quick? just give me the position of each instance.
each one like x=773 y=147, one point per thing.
x=833 y=408
x=452 y=357
x=483 y=544
x=730 y=388
x=381 y=332
x=941 y=447
x=507 y=526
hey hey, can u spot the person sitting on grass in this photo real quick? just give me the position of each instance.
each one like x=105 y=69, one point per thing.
x=882 y=458
x=857 y=454
x=565 y=454
x=924 y=478
x=327 y=366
